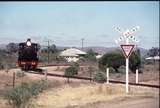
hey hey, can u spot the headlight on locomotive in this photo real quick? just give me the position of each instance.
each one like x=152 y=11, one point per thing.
x=28 y=43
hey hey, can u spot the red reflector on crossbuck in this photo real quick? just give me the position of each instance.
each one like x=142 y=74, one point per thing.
x=127 y=50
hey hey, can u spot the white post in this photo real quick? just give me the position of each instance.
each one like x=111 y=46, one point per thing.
x=127 y=61
x=107 y=71
x=136 y=75
x=45 y=74
x=127 y=65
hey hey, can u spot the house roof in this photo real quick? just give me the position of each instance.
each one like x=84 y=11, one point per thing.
x=151 y=58
x=72 y=52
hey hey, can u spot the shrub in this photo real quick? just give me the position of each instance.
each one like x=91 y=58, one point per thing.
x=1 y=66
x=122 y=69
x=140 y=70
x=20 y=74
x=20 y=96
x=71 y=71
x=75 y=65
x=111 y=70
x=134 y=61
x=99 y=77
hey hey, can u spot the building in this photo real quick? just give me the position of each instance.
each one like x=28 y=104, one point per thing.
x=72 y=54
x=98 y=56
x=153 y=58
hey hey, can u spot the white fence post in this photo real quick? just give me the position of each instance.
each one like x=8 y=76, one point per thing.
x=107 y=75
x=46 y=74
x=136 y=75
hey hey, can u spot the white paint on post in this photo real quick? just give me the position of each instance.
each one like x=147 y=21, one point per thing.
x=45 y=74
x=107 y=71
x=127 y=65
x=136 y=75
x=127 y=61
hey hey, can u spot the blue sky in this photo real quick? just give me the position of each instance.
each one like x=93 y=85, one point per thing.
x=66 y=23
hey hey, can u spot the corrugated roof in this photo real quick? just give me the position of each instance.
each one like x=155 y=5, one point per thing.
x=72 y=52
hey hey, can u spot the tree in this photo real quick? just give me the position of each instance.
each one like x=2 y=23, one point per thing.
x=12 y=47
x=91 y=55
x=44 y=50
x=53 y=48
x=135 y=60
x=113 y=59
x=154 y=51
x=116 y=59
x=38 y=46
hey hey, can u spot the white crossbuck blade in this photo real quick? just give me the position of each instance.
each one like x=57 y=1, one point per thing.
x=127 y=34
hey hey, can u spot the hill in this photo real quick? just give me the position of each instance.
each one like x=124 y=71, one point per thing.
x=103 y=50
x=98 y=49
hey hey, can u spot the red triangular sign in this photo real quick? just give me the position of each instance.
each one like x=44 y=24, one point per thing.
x=127 y=50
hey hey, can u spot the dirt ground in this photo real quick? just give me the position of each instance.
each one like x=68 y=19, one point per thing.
x=150 y=75
x=149 y=102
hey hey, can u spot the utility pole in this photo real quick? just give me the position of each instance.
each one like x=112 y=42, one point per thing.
x=48 y=51
x=82 y=42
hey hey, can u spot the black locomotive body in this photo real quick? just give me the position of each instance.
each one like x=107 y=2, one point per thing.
x=27 y=55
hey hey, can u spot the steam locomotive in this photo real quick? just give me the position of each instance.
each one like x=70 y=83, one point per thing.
x=27 y=55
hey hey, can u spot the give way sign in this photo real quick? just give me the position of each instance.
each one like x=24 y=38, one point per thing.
x=127 y=50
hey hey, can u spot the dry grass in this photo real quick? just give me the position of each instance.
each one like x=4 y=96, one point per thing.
x=3 y=103
x=84 y=94
x=67 y=96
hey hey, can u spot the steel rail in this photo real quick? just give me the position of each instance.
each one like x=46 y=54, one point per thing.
x=87 y=78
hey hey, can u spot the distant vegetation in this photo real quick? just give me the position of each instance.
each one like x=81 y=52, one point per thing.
x=116 y=59
x=91 y=55
x=7 y=60
x=154 y=51
x=51 y=53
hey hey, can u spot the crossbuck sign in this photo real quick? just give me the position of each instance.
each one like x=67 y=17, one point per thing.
x=127 y=47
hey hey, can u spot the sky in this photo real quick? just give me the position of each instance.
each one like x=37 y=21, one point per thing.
x=66 y=23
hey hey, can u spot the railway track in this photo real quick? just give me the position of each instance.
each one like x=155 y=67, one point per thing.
x=87 y=78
